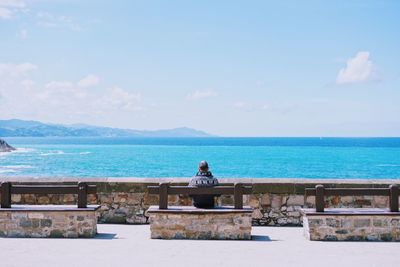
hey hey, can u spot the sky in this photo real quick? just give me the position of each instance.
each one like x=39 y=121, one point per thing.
x=230 y=68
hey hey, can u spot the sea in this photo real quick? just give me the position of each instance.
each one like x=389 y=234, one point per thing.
x=315 y=158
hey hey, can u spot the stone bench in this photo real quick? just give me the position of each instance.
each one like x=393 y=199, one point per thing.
x=69 y=221
x=48 y=221
x=187 y=222
x=352 y=224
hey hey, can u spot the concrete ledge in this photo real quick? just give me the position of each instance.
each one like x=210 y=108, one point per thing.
x=260 y=185
x=351 y=225
x=48 y=221
x=349 y=212
x=49 y=208
x=194 y=210
x=182 y=222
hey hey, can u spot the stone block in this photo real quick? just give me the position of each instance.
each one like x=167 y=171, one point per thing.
x=200 y=224
x=68 y=199
x=336 y=224
x=312 y=222
x=253 y=201
x=35 y=215
x=135 y=198
x=295 y=200
x=346 y=222
x=48 y=221
x=380 y=201
x=257 y=214
x=43 y=200
x=265 y=200
x=16 y=198
x=276 y=201
x=362 y=222
x=332 y=222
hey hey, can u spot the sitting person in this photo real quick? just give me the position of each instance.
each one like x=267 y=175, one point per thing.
x=203 y=178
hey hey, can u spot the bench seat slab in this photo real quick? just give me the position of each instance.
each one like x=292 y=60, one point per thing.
x=183 y=222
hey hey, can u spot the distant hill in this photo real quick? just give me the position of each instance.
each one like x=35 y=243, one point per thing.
x=22 y=128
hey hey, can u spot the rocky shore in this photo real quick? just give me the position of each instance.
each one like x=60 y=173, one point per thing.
x=4 y=147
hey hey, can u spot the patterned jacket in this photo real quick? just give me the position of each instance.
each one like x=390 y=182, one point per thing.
x=203 y=179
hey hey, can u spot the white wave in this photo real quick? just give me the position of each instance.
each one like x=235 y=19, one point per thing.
x=23 y=150
x=17 y=151
x=8 y=171
x=16 y=167
x=60 y=152
x=56 y=152
x=85 y=153
x=388 y=165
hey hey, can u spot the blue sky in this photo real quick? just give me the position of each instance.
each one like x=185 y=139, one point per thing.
x=232 y=68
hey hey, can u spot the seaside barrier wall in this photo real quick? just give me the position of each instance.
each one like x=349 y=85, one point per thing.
x=276 y=202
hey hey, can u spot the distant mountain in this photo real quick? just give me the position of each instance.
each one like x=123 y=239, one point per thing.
x=22 y=128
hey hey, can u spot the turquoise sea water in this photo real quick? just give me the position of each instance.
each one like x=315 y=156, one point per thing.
x=375 y=158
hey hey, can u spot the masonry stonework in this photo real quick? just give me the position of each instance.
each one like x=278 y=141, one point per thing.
x=275 y=202
x=352 y=228
x=212 y=224
x=27 y=222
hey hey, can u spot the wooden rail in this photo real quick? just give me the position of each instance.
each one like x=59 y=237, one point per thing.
x=320 y=192
x=81 y=189
x=164 y=189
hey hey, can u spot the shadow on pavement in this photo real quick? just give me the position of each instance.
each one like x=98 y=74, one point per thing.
x=105 y=236
x=264 y=238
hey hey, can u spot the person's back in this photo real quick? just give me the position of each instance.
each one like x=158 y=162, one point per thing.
x=203 y=178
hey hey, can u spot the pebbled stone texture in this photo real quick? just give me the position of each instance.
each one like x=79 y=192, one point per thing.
x=200 y=226
x=351 y=228
x=53 y=224
x=273 y=203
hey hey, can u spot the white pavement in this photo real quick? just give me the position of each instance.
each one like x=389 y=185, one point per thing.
x=130 y=245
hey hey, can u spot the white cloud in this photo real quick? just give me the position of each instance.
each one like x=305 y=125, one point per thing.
x=240 y=105
x=62 y=101
x=118 y=98
x=279 y=107
x=59 y=85
x=49 y=20
x=260 y=83
x=358 y=69
x=27 y=83
x=5 y=13
x=61 y=91
x=9 y=7
x=12 y=3
x=196 y=95
x=266 y=107
x=89 y=81
x=23 y=34
x=16 y=70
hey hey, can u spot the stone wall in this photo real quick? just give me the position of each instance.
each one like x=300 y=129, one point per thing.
x=352 y=228
x=195 y=224
x=275 y=201
x=54 y=223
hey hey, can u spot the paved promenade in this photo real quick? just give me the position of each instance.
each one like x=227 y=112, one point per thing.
x=130 y=245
